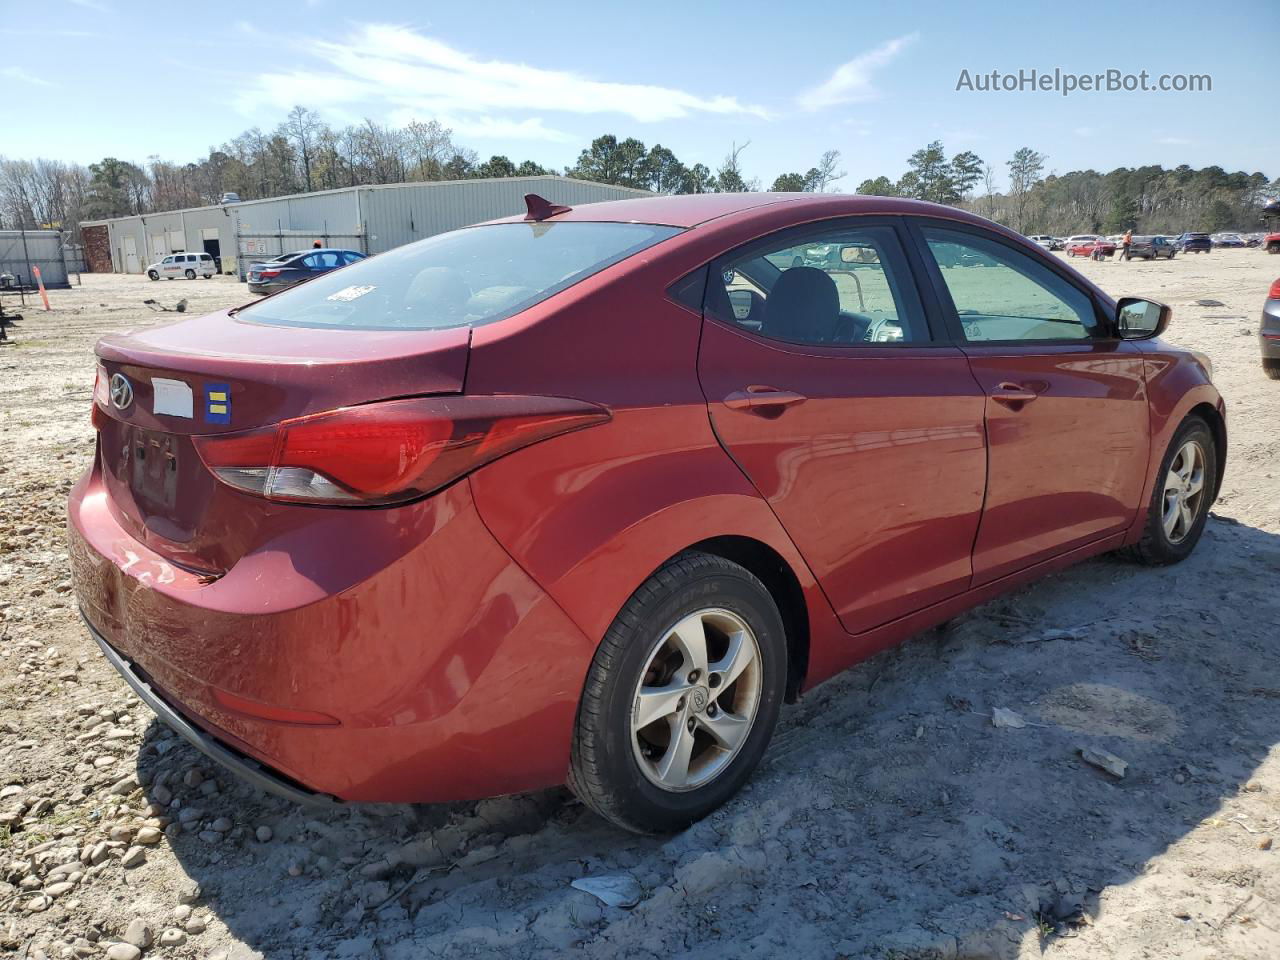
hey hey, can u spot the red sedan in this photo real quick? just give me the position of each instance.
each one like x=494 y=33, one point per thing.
x=1087 y=246
x=585 y=496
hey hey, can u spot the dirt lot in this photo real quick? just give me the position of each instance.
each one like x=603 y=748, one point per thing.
x=891 y=818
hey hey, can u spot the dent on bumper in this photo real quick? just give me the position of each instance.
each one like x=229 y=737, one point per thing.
x=242 y=766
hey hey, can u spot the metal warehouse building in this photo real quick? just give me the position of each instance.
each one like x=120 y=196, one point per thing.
x=21 y=250
x=370 y=219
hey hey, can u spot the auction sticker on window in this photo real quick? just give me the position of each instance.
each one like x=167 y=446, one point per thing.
x=350 y=293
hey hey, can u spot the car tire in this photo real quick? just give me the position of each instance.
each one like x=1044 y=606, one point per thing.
x=629 y=771
x=1271 y=368
x=190 y=274
x=1160 y=545
x=152 y=275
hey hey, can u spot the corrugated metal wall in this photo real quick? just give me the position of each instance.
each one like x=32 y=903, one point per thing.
x=42 y=249
x=411 y=211
x=393 y=215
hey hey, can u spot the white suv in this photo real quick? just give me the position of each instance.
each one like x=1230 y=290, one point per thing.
x=183 y=265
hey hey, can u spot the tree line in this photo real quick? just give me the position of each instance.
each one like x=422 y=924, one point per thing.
x=303 y=153
x=1149 y=199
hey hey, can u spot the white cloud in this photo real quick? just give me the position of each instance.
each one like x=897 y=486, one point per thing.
x=1175 y=141
x=420 y=76
x=486 y=127
x=1084 y=131
x=851 y=81
x=17 y=73
x=95 y=5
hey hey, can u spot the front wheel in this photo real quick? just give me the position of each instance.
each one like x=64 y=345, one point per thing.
x=1180 y=502
x=152 y=275
x=1271 y=368
x=681 y=698
x=190 y=274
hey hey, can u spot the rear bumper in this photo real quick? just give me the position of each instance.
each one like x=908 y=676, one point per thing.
x=440 y=670
x=242 y=766
x=1269 y=330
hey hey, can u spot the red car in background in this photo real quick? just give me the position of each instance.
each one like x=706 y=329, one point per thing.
x=583 y=497
x=1087 y=245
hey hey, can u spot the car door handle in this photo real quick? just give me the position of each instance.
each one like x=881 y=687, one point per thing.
x=757 y=397
x=1013 y=393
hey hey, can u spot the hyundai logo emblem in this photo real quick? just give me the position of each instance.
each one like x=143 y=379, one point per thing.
x=121 y=391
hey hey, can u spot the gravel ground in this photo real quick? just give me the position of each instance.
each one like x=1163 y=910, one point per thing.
x=897 y=814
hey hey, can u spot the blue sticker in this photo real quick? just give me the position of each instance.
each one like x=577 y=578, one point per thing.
x=217 y=402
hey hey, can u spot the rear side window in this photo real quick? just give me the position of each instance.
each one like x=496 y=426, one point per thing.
x=463 y=278
x=829 y=287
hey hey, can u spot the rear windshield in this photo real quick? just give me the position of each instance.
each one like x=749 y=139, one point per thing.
x=467 y=277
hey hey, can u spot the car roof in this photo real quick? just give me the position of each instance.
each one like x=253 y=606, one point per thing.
x=310 y=250
x=690 y=210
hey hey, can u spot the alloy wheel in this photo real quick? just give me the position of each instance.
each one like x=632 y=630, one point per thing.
x=697 y=700
x=1183 y=491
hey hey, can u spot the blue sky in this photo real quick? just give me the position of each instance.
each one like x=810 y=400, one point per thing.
x=538 y=81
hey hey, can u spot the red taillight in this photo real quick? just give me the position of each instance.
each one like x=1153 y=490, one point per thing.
x=268 y=273
x=387 y=452
x=101 y=397
x=1274 y=292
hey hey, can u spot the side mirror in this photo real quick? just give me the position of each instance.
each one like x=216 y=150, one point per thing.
x=1138 y=319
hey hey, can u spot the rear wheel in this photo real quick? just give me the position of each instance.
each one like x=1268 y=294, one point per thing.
x=1271 y=368
x=1180 y=502
x=190 y=274
x=681 y=698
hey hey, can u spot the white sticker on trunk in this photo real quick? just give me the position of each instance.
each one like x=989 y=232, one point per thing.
x=172 y=397
x=350 y=293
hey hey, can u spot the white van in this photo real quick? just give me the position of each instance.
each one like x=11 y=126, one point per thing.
x=183 y=265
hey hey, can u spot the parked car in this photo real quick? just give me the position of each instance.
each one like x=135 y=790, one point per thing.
x=1271 y=242
x=1151 y=248
x=188 y=265
x=293 y=268
x=1194 y=243
x=1084 y=245
x=1232 y=240
x=1269 y=332
x=1045 y=241
x=534 y=502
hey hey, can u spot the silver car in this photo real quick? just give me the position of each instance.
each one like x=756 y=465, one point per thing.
x=1269 y=332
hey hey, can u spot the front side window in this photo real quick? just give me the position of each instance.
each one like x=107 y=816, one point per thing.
x=463 y=278
x=1001 y=294
x=834 y=287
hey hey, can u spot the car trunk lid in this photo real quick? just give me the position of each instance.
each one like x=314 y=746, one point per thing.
x=218 y=374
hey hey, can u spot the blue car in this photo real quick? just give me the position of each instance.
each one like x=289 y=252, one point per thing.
x=1194 y=243
x=292 y=268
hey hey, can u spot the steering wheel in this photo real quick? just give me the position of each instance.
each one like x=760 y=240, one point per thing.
x=851 y=327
